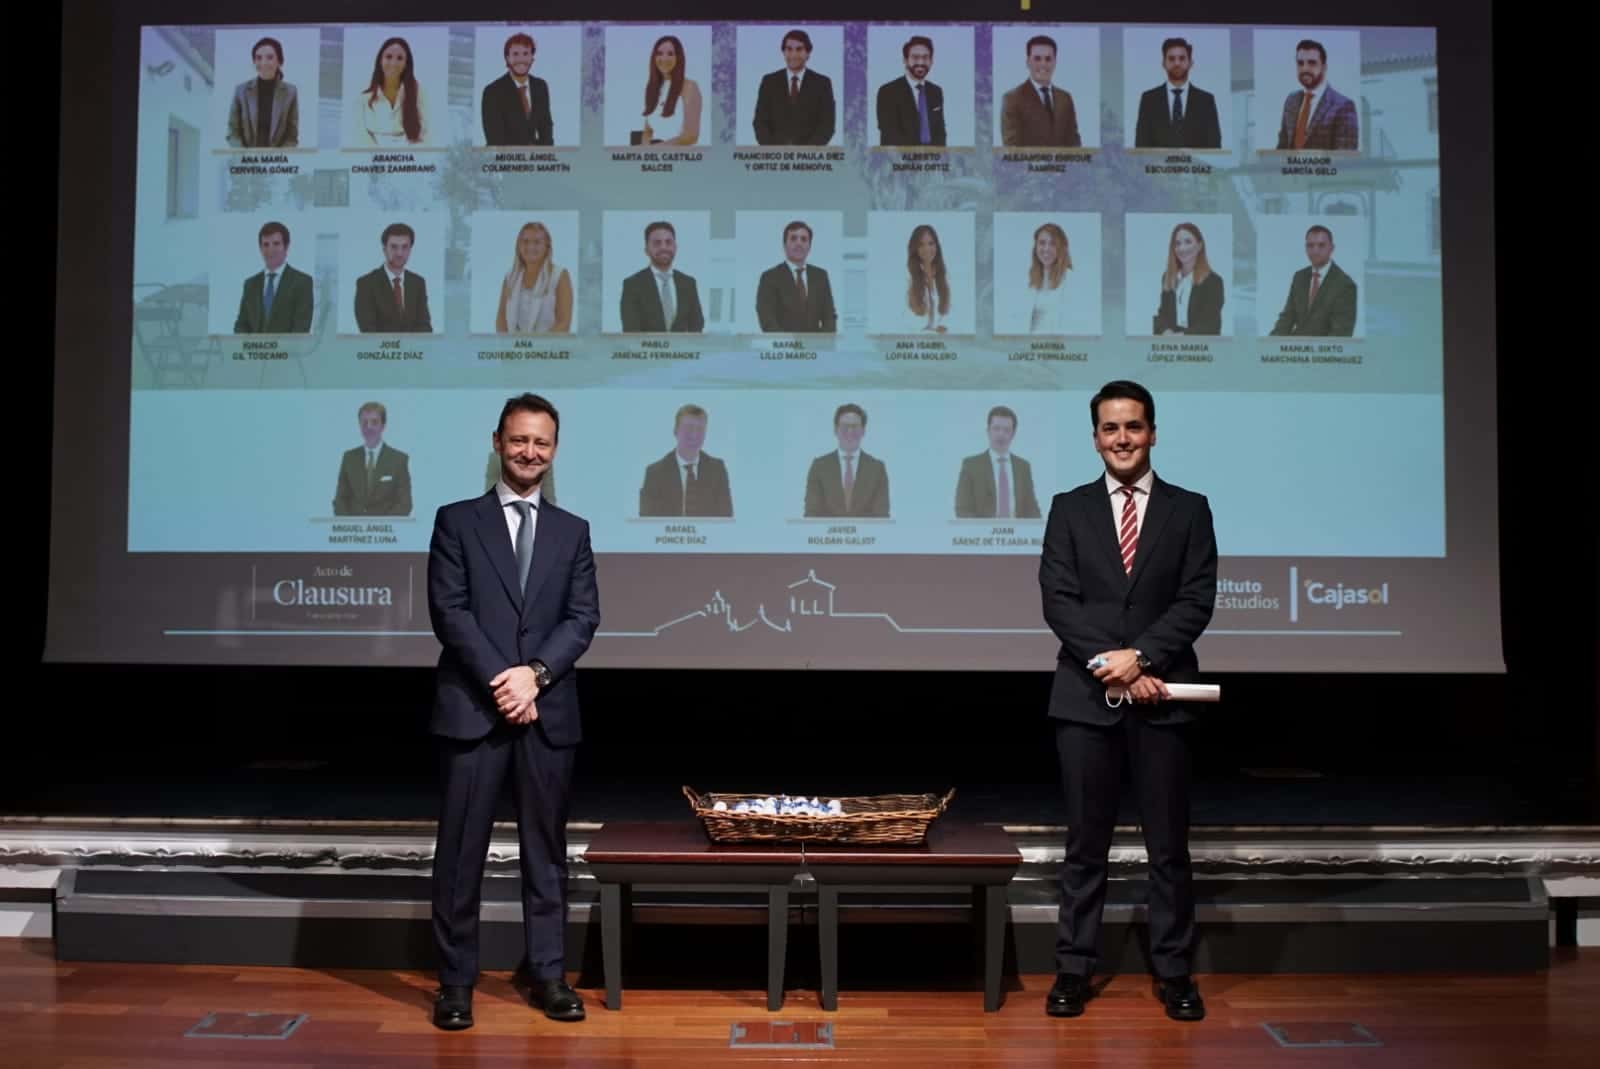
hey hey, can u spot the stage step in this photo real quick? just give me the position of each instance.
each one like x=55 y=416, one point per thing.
x=366 y=920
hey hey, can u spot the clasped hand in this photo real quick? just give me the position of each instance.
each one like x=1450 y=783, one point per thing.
x=1121 y=669
x=514 y=692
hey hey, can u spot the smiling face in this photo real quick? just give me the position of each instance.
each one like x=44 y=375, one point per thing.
x=519 y=60
x=691 y=435
x=666 y=58
x=371 y=427
x=267 y=63
x=393 y=61
x=919 y=60
x=526 y=442
x=661 y=245
x=1041 y=63
x=927 y=248
x=848 y=429
x=532 y=246
x=797 y=244
x=274 y=250
x=1309 y=68
x=795 y=54
x=1186 y=247
x=1319 y=248
x=1124 y=438
x=1044 y=247
x=1176 y=62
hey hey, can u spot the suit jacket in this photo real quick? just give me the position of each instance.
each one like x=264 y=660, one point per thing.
x=1024 y=120
x=503 y=121
x=825 y=487
x=1333 y=315
x=243 y=110
x=1200 y=127
x=663 y=493
x=390 y=492
x=807 y=120
x=1205 y=309
x=780 y=309
x=1092 y=605
x=291 y=305
x=375 y=310
x=897 y=113
x=641 y=305
x=977 y=495
x=1333 y=126
x=486 y=624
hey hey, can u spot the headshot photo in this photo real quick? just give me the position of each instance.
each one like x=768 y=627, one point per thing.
x=1176 y=87
x=921 y=83
x=658 y=85
x=1047 y=273
x=523 y=272
x=996 y=483
x=652 y=267
x=1316 y=74
x=1311 y=270
x=395 y=82
x=388 y=266
x=788 y=84
x=262 y=268
x=1179 y=266
x=847 y=480
x=920 y=278
x=787 y=261
x=528 y=89
x=374 y=477
x=688 y=481
x=1046 y=86
x=260 y=74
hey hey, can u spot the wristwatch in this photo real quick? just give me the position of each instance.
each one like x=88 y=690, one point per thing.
x=541 y=673
x=1144 y=662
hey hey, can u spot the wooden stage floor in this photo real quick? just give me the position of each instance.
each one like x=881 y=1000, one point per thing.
x=78 y=1016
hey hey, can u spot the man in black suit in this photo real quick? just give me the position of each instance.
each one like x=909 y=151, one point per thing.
x=514 y=604
x=390 y=299
x=911 y=109
x=276 y=299
x=795 y=106
x=1177 y=115
x=659 y=299
x=997 y=483
x=795 y=297
x=1128 y=575
x=516 y=105
x=1322 y=297
x=847 y=481
x=687 y=481
x=374 y=477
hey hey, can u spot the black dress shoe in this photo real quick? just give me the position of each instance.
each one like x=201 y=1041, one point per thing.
x=558 y=1001
x=1181 y=998
x=1067 y=996
x=452 y=1008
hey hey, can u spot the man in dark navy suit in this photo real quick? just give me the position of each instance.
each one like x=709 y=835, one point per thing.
x=911 y=108
x=516 y=105
x=795 y=106
x=514 y=603
x=1129 y=580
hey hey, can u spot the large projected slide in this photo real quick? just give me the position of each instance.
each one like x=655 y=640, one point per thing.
x=821 y=306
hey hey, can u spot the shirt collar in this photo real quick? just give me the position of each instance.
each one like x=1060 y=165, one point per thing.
x=1143 y=484
x=508 y=495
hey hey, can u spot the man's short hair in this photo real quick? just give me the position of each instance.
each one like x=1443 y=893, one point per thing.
x=692 y=411
x=659 y=224
x=277 y=46
x=797 y=225
x=1176 y=42
x=798 y=35
x=1002 y=411
x=518 y=39
x=529 y=402
x=398 y=230
x=845 y=410
x=273 y=228
x=925 y=42
x=1040 y=39
x=1123 y=390
x=374 y=406
x=1308 y=44
x=1312 y=230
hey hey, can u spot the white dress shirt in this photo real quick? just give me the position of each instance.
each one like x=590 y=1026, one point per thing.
x=1181 y=295
x=995 y=461
x=514 y=516
x=1316 y=102
x=855 y=465
x=1183 y=95
x=683 y=470
x=1141 y=500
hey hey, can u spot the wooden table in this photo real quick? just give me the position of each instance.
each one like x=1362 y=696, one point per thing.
x=977 y=856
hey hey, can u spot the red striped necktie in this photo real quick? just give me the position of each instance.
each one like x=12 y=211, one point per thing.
x=1128 y=529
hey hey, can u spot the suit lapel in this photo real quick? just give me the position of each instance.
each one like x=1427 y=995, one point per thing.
x=988 y=492
x=496 y=539
x=544 y=545
x=1156 y=514
x=833 y=482
x=678 y=287
x=1104 y=521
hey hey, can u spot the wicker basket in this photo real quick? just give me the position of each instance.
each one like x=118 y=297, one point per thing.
x=879 y=818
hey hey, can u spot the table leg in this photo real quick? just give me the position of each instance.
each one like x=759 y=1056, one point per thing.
x=828 y=943
x=994 y=943
x=611 y=940
x=777 y=943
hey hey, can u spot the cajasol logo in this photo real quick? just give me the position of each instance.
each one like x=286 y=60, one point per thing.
x=1335 y=596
